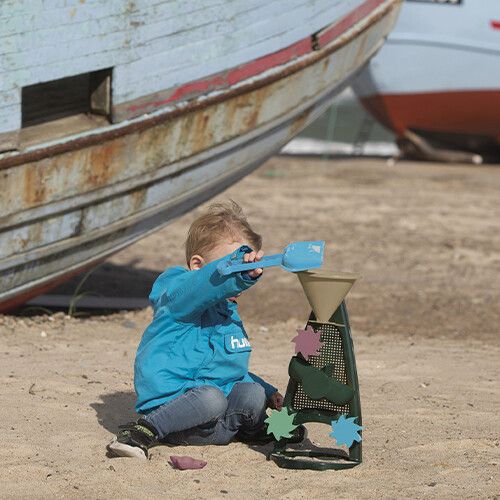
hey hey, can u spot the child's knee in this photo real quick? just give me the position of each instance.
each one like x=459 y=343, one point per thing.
x=253 y=396
x=212 y=400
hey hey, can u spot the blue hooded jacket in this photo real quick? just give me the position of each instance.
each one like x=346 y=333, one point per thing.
x=196 y=336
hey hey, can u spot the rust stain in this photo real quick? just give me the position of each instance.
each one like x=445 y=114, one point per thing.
x=186 y=127
x=299 y=122
x=149 y=146
x=202 y=134
x=58 y=172
x=34 y=185
x=138 y=198
x=255 y=105
x=252 y=117
x=242 y=112
x=101 y=165
x=102 y=162
x=233 y=105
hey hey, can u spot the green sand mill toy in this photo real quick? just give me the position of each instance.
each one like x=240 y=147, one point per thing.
x=323 y=385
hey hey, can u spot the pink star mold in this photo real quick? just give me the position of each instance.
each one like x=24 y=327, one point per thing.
x=308 y=342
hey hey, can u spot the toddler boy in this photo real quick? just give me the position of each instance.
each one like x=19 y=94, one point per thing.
x=191 y=369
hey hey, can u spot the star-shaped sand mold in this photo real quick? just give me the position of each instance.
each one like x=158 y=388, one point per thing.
x=307 y=342
x=280 y=423
x=345 y=431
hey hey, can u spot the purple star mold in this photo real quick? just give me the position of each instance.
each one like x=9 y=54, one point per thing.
x=308 y=342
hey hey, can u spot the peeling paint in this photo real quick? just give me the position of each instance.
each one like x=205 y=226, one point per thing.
x=72 y=220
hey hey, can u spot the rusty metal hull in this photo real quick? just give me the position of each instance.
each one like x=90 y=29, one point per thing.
x=68 y=204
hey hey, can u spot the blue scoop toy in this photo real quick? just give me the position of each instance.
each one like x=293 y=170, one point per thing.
x=298 y=256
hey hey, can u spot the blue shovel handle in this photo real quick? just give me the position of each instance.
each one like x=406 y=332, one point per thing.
x=229 y=266
x=297 y=256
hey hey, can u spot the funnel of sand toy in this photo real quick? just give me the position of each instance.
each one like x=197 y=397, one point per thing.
x=325 y=291
x=296 y=257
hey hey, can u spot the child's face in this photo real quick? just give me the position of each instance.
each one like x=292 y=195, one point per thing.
x=220 y=250
x=224 y=248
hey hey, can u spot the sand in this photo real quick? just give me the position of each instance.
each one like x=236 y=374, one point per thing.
x=425 y=316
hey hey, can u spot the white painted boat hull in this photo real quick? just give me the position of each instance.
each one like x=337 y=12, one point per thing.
x=87 y=196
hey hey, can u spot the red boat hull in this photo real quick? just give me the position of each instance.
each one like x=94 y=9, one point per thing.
x=466 y=116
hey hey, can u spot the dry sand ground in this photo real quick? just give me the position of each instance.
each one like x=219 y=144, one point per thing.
x=425 y=320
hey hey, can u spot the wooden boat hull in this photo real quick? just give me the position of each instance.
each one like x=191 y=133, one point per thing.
x=68 y=204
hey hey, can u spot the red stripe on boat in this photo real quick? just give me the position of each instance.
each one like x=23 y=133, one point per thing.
x=495 y=25
x=234 y=75
x=264 y=63
x=328 y=34
x=267 y=62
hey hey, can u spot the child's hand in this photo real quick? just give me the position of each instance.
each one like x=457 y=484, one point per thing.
x=254 y=257
x=276 y=401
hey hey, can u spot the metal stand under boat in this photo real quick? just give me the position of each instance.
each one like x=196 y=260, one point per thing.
x=414 y=146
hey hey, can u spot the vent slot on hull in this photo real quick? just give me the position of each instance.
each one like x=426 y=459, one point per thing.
x=88 y=93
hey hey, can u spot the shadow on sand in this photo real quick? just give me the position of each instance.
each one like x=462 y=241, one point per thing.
x=114 y=409
x=110 y=287
x=112 y=280
x=117 y=408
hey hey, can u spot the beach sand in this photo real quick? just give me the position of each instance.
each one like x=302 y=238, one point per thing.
x=425 y=321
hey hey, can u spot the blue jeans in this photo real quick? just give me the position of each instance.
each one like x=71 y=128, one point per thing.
x=203 y=415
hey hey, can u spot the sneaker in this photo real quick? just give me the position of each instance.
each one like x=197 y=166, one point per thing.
x=261 y=437
x=134 y=440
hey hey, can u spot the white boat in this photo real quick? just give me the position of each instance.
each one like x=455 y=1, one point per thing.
x=116 y=117
x=438 y=76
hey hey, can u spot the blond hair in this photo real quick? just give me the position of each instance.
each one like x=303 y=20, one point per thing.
x=222 y=220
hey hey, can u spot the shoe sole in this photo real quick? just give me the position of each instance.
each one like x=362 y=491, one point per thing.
x=125 y=450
